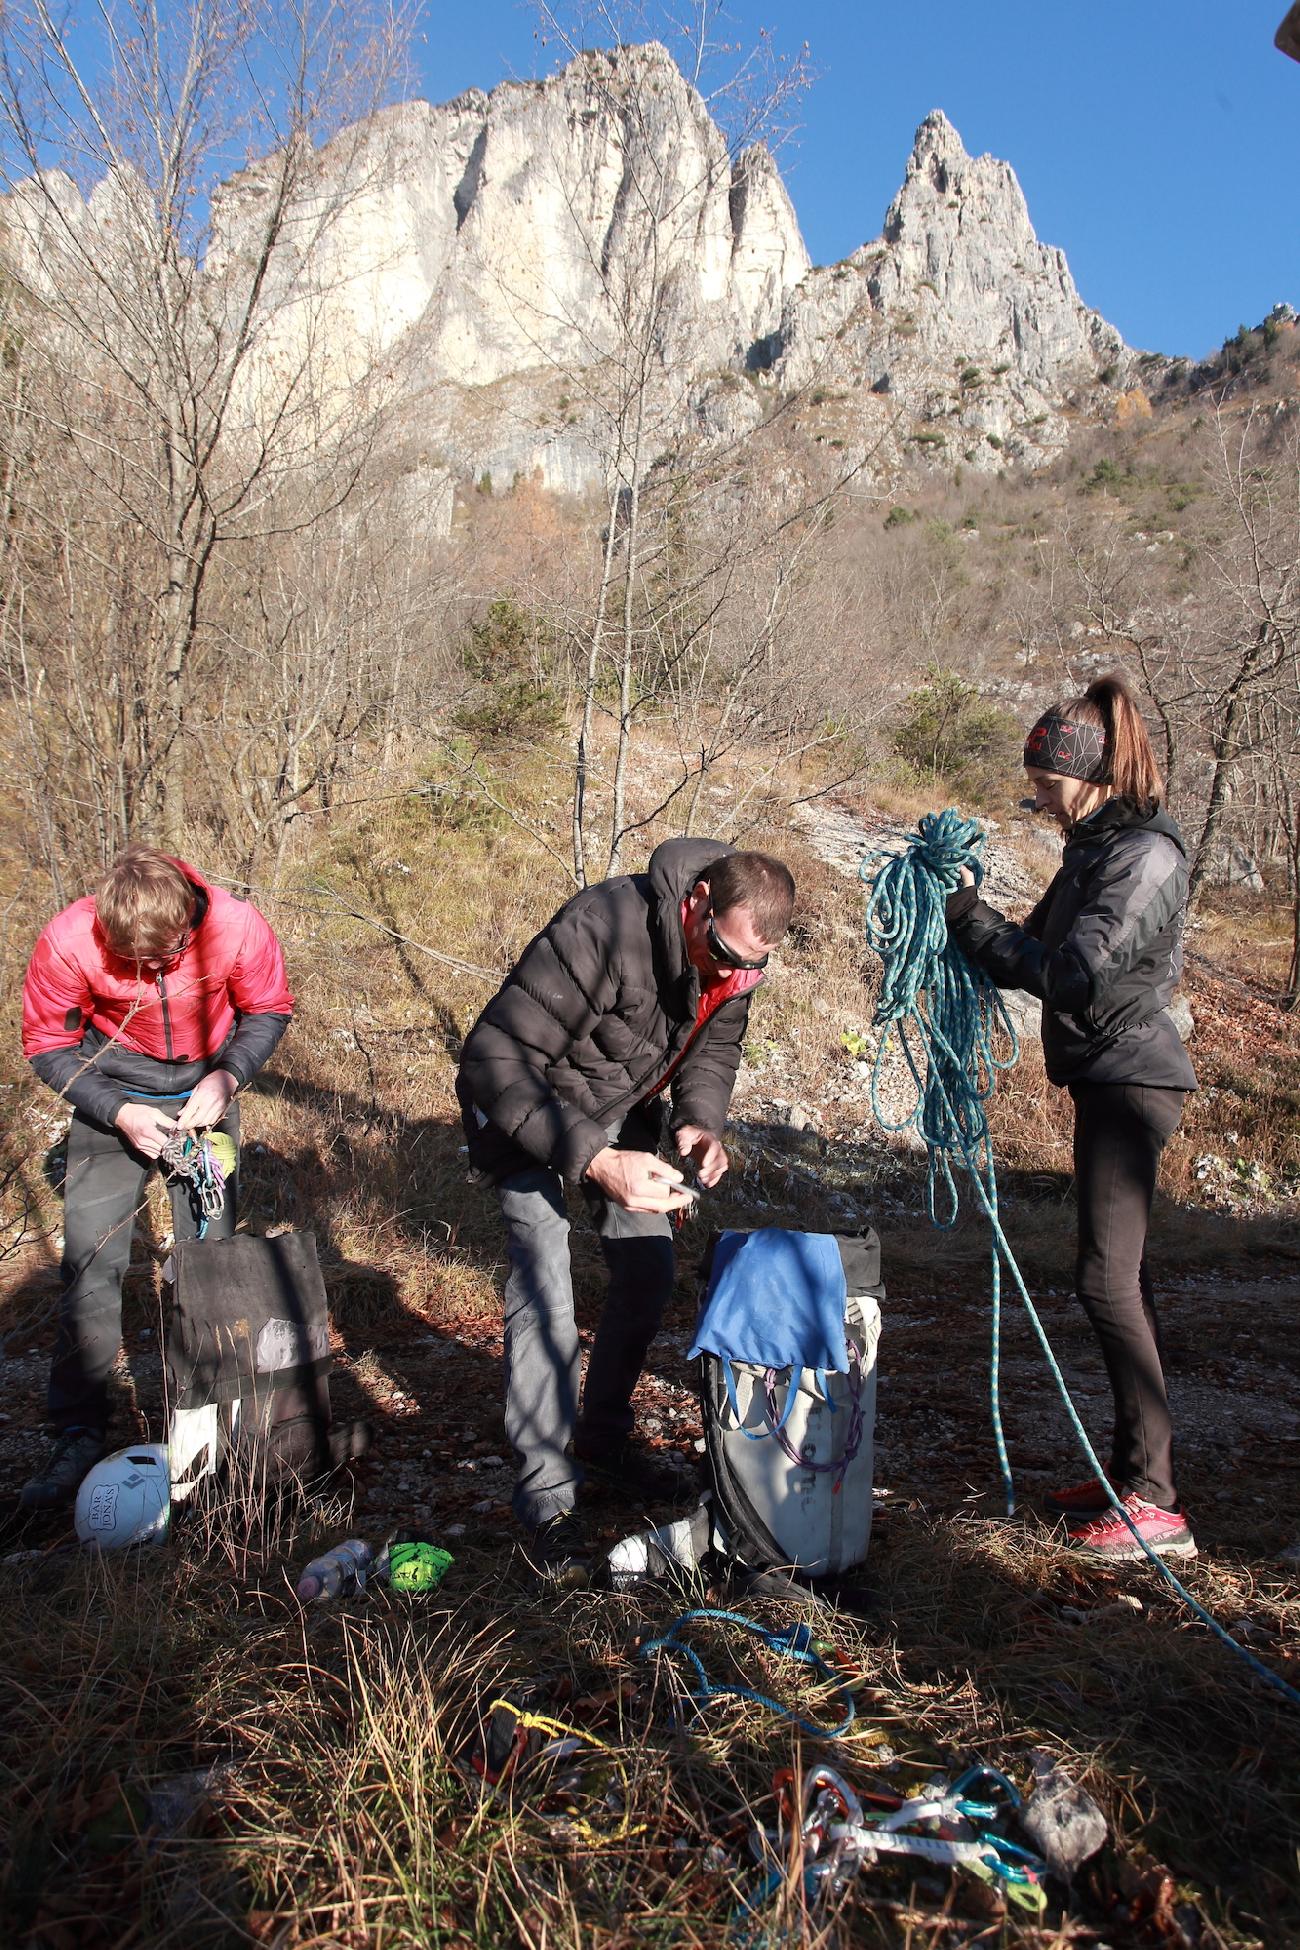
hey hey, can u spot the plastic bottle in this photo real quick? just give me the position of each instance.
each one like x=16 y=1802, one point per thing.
x=345 y=1568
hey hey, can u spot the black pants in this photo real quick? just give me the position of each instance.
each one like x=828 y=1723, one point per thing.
x=1120 y=1129
x=102 y=1193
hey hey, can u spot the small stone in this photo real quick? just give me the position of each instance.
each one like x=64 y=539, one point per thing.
x=1061 y=1818
x=456 y=1529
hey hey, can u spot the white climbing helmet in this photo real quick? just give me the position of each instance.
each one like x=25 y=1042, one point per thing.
x=126 y=1499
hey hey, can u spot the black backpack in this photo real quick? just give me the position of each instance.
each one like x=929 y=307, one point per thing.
x=248 y=1358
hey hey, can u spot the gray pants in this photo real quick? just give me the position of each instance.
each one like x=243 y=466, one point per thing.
x=542 y=1357
x=102 y=1193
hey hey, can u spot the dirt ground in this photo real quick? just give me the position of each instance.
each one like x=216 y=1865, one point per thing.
x=430 y=1385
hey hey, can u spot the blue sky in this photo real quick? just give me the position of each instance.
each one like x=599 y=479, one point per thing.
x=1157 y=143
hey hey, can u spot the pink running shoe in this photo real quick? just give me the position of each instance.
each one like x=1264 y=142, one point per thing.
x=1108 y=1539
x=1079 y=1499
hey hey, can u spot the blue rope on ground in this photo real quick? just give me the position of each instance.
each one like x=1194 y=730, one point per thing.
x=931 y=994
x=794 y=1644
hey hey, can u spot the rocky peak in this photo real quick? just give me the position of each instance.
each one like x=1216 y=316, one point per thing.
x=956 y=315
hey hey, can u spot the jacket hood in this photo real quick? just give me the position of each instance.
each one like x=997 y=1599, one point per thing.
x=674 y=868
x=1121 y=815
x=676 y=865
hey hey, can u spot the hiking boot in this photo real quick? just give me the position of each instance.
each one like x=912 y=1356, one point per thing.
x=54 y=1487
x=1088 y=1499
x=557 y=1552
x=1108 y=1539
x=638 y=1473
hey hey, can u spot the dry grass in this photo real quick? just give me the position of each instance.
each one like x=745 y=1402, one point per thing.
x=334 y=1814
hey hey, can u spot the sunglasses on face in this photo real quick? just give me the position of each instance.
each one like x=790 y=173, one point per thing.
x=720 y=952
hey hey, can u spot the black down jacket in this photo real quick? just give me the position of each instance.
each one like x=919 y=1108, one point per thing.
x=597 y=1007
x=1103 y=950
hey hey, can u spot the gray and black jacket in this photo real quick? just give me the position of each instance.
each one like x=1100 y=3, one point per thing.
x=1103 y=950
x=598 y=1007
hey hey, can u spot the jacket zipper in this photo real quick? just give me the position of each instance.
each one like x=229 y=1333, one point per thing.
x=166 y=1014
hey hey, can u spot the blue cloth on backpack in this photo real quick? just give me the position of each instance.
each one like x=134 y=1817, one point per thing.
x=776 y=1300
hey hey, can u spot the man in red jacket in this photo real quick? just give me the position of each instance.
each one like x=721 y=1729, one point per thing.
x=148 y=1006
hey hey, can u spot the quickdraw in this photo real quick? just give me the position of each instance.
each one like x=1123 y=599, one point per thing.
x=564 y=1741
x=795 y=1644
x=194 y=1159
x=947 y=1823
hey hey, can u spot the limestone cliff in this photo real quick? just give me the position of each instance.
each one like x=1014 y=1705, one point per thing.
x=523 y=267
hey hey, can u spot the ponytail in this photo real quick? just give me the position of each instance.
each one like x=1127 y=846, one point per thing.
x=1099 y=737
x=1132 y=772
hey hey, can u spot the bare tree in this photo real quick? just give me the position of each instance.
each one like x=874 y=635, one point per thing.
x=1258 y=570
x=687 y=525
x=174 y=407
x=1218 y=655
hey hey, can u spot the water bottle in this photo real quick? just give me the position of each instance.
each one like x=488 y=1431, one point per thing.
x=345 y=1568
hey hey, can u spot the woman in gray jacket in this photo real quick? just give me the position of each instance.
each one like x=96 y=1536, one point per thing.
x=1103 y=952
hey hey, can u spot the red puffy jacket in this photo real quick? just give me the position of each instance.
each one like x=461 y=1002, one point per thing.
x=97 y=1028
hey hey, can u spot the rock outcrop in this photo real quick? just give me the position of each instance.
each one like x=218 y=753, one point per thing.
x=520 y=265
x=512 y=247
x=966 y=331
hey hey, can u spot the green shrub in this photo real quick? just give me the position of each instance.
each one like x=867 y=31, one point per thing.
x=899 y=517
x=948 y=733
x=1107 y=474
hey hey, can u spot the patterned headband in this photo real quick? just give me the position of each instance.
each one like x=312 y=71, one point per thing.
x=1070 y=749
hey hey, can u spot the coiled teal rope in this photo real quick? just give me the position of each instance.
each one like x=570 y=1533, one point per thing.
x=937 y=1000
x=944 y=1011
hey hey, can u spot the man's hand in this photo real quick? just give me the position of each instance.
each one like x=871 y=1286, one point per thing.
x=208 y=1102
x=145 y=1129
x=967 y=877
x=707 y=1151
x=638 y=1181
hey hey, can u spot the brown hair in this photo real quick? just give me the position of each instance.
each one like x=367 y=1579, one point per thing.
x=144 y=903
x=1132 y=770
x=758 y=882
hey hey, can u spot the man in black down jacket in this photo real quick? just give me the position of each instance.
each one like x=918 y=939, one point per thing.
x=625 y=1015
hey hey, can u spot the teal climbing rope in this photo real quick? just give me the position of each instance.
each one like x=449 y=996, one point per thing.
x=795 y=1644
x=945 y=1013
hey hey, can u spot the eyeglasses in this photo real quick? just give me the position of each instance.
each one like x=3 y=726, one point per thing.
x=720 y=952
x=163 y=956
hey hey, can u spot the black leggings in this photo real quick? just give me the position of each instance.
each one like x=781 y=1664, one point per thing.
x=1120 y=1129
